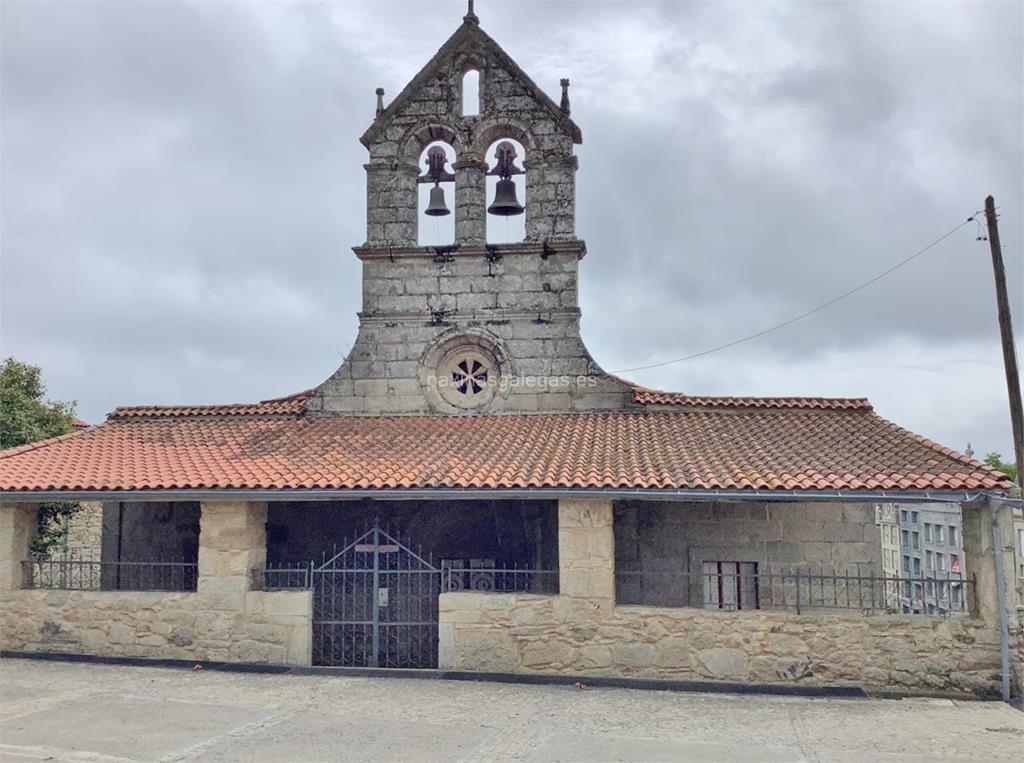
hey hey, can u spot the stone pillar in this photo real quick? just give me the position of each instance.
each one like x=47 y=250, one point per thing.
x=470 y=201
x=979 y=558
x=586 y=549
x=232 y=542
x=551 y=198
x=17 y=529
x=391 y=204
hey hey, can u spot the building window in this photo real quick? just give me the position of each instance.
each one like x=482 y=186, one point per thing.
x=940 y=562
x=927 y=531
x=954 y=563
x=730 y=585
x=906 y=564
x=903 y=516
x=929 y=560
x=905 y=535
x=915 y=540
x=917 y=565
x=914 y=517
x=940 y=534
x=954 y=539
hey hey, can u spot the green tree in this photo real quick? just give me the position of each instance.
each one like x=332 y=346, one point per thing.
x=26 y=417
x=996 y=460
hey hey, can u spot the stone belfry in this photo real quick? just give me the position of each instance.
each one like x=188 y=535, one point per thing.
x=470 y=327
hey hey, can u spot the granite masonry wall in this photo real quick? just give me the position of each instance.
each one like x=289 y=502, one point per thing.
x=265 y=627
x=222 y=620
x=83 y=531
x=513 y=306
x=582 y=630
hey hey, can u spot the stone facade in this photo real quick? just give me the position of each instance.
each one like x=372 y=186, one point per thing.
x=429 y=109
x=509 y=311
x=582 y=630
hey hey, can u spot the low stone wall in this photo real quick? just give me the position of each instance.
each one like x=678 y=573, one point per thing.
x=256 y=626
x=561 y=634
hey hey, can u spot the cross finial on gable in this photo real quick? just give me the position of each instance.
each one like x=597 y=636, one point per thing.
x=470 y=17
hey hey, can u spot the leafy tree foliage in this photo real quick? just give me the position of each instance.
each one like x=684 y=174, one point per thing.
x=26 y=417
x=996 y=460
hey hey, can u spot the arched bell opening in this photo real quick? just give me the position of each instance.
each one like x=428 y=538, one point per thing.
x=435 y=223
x=506 y=192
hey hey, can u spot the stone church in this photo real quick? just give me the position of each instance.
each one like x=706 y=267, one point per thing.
x=471 y=491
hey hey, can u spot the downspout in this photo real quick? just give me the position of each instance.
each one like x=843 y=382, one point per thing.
x=1004 y=626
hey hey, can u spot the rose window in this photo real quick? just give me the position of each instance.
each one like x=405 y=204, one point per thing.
x=469 y=376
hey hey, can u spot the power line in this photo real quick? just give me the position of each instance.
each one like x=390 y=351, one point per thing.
x=811 y=312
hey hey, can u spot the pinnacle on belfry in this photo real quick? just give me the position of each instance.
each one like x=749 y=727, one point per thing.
x=471 y=17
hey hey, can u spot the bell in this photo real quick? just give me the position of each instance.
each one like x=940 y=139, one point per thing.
x=505 y=202
x=437 y=207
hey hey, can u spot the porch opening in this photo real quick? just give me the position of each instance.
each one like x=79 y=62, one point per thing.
x=795 y=557
x=377 y=568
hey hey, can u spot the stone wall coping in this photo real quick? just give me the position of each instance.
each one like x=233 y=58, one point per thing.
x=454 y=251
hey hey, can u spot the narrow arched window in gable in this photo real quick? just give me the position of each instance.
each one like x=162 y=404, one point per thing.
x=471 y=93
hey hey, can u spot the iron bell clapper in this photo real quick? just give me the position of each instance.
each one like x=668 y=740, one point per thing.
x=437 y=206
x=505 y=203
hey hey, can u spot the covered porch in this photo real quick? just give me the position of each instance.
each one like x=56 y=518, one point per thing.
x=582 y=585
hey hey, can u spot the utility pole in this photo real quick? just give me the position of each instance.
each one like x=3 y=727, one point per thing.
x=1006 y=330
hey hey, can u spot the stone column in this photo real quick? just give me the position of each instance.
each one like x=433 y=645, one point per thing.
x=17 y=528
x=391 y=204
x=470 y=201
x=232 y=542
x=586 y=549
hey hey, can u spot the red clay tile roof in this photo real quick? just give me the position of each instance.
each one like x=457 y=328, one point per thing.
x=273 y=407
x=254 y=447
x=656 y=398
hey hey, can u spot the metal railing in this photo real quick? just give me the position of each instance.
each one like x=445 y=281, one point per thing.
x=283 y=577
x=509 y=580
x=798 y=591
x=84 y=575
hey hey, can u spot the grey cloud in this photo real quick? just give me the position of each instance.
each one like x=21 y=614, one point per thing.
x=181 y=183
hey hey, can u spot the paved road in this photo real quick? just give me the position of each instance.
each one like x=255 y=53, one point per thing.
x=100 y=713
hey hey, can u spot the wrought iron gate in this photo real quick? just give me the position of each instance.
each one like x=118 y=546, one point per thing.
x=375 y=605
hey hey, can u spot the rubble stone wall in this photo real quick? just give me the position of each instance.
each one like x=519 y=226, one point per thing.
x=564 y=634
x=262 y=626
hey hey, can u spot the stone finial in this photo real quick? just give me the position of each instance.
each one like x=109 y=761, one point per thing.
x=470 y=17
x=380 y=101
x=565 y=96
x=969 y=451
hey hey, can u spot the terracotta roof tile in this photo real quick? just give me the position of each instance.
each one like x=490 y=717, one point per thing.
x=295 y=403
x=272 y=445
x=654 y=397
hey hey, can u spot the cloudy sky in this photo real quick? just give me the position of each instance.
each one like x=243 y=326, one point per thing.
x=182 y=183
